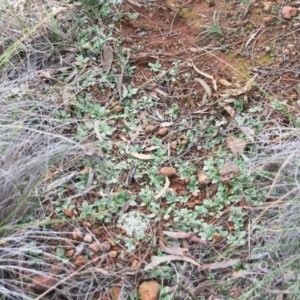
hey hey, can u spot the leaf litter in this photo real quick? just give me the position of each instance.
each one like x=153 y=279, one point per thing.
x=178 y=124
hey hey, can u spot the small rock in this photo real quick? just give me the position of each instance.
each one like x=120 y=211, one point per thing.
x=162 y=131
x=118 y=108
x=80 y=260
x=136 y=264
x=289 y=12
x=268 y=49
x=88 y=238
x=217 y=237
x=94 y=246
x=268 y=19
x=149 y=129
x=167 y=171
x=113 y=254
x=114 y=293
x=203 y=179
x=43 y=283
x=77 y=234
x=69 y=212
x=149 y=290
x=228 y=171
x=70 y=253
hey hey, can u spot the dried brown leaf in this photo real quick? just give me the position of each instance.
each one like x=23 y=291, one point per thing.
x=224 y=82
x=237 y=146
x=248 y=132
x=228 y=171
x=164 y=190
x=173 y=251
x=142 y=156
x=159 y=260
x=179 y=235
x=107 y=58
x=202 y=73
x=221 y=265
x=205 y=86
x=230 y=110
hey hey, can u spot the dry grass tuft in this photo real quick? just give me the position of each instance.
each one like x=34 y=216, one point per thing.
x=277 y=224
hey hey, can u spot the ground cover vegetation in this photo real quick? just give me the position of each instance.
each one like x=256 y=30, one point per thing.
x=149 y=150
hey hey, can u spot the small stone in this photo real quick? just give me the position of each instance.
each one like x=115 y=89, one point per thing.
x=167 y=171
x=162 y=131
x=136 y=264
x=43 y=283
x=114 y=293
x=118 y=108
x=149 y=290
x=77 y=234
x=203 y=179
x=94 y=246
x=268 y=19
x=268 y=49
x=289 y=12
x=149 y=129
x=88 y=238
x=70 y=253
x=80 y=260
x=113 y=254
x=69 y=212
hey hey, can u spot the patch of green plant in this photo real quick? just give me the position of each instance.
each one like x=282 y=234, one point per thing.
x=155 y=67
x=215 y=28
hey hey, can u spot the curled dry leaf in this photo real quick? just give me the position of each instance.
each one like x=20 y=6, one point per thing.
x=167 y=171
x=179 y=235
x=230 y=110
x=228 y=171
x=159 y=260
x=200 y=72
x=168 y=250
x=205 y=86
x=224 y=82
x=221 y=265
x=237 y=146
x=289 y=12
x=149 y=290
x=142 y=156
x=164 y=190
